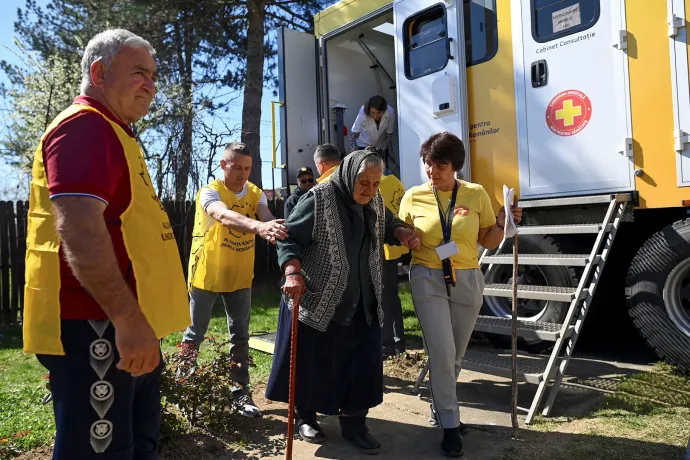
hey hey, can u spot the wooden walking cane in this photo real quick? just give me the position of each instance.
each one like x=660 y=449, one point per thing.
x=293 y=369
x=514 y=401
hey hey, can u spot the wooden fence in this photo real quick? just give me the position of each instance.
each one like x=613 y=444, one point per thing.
x=13 y=219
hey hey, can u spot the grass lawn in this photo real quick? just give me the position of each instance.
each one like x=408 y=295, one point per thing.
x=25 y=423
x=647 y=418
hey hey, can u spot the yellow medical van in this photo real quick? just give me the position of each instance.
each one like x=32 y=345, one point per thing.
x=582 y=106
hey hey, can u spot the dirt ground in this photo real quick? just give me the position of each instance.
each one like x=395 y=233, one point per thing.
x=401 y=424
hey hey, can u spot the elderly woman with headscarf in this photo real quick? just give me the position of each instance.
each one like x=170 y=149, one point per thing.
x=332 y=260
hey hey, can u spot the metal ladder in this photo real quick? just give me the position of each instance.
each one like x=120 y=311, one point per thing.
x=537 y=369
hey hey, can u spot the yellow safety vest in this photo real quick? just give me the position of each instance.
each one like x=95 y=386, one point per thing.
x=392 y=191
x=148 y=238
x=327 y=175
x=222 y=259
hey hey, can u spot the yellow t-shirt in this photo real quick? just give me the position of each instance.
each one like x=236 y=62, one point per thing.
x=392 y=191
x=472 y=211
x=327 y=175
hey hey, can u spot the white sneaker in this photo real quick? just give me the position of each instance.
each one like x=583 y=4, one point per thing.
x=246 y=407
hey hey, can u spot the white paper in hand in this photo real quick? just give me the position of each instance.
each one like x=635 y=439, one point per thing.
x=508 y=197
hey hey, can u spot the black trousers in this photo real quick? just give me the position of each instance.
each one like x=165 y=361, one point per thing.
x=339 y=370
x=101 y=412
x=393 y=332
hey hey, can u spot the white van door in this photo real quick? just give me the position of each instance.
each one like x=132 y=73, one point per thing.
x=299 y=93
x=431 y=82
x=571 y=73
x=678 y=37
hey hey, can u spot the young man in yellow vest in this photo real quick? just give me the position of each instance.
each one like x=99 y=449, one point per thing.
x=327 y=159
x=104 y=280
x=393 y=333
x=221 y=262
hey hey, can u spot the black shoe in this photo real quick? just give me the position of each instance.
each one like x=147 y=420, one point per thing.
x=366 y=443
x=433 y=421
x=311 y=432
x=452 y=443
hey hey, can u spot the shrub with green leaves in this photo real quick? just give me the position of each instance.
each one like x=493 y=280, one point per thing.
x=201 y=389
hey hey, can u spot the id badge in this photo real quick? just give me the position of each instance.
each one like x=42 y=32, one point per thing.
x=447 y=250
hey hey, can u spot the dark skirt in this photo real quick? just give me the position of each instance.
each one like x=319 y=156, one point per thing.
x=340 y=369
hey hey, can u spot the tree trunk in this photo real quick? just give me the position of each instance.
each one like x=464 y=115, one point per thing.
x=184 y=51
x=254 y=86
x=183 y=170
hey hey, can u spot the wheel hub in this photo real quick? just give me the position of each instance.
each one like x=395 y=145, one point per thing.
x=677 y=296
x=528 y=309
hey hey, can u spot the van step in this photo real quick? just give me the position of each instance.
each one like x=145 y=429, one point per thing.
x=526 y=329
x=530 y=368
x=574 y=229
x=576 y=200
x=571 y=260
x=527 y=291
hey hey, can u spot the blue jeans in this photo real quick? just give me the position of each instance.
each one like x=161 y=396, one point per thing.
x=100 y=411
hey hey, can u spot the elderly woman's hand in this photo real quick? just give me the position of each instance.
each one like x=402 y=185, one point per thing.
x=408 y=237
x=294 y=285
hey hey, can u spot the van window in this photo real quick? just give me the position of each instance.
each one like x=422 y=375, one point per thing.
x=481 y=31
x=426 y=42
x=553 y=19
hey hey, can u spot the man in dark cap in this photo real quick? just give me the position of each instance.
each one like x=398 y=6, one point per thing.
x=305 y=181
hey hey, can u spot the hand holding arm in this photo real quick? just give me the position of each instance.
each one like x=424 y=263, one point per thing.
x=408 y=237
x=271 y=231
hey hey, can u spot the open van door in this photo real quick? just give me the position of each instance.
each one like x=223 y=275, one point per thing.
x=299 y=93
x=431 y=79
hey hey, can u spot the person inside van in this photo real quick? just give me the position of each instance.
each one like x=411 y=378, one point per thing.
x=373 y=126
x=453 y=216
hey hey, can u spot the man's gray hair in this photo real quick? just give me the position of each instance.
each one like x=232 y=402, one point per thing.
x=235 y=147
x=372 y=161
x=327 y=153
x=104 y=47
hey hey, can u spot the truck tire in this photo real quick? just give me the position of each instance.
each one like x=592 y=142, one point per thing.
x=658 y=293
x=533 y=310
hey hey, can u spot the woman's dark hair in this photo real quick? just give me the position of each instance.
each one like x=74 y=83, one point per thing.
x=443 y=148
x=375 y=102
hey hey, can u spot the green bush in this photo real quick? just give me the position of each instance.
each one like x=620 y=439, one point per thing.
x=202 y=391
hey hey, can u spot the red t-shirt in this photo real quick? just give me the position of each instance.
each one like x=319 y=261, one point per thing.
x=84 y=157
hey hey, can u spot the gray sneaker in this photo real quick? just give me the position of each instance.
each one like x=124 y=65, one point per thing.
x=244 y=405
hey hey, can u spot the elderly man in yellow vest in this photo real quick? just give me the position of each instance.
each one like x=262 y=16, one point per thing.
x=104 y=280
x=327 y=159
x=221 y=262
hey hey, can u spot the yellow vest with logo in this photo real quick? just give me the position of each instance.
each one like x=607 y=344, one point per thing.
x=148 y=238
x=392 y=191
x=325 y=177
x=222 y=259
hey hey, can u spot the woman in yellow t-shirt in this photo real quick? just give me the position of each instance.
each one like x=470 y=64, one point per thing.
x=452 y=216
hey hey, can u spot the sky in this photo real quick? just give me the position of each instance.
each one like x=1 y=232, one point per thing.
x=8 y=14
